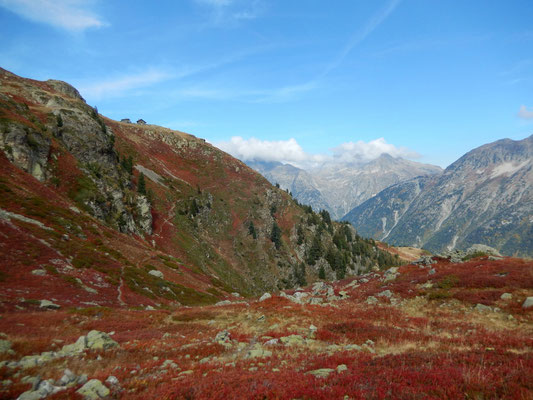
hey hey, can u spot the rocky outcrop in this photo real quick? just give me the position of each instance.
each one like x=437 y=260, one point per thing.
x=56 y=112
x=25 y=147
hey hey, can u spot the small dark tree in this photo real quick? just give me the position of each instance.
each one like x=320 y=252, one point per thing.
x=251 y=230
x=59 y=120
x=127 y=164
x=275 y=235
x=321 y=273
x=141 y=184
x=315 y=251
x=300 y=233
x=299 y=274
x=193 y=208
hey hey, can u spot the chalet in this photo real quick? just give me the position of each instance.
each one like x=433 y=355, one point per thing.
x=141 y=122
x=126 y=120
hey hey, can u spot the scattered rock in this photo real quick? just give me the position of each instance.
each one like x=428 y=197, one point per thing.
x=169 y=364
x=156 y=273
x=97 y=340
x=223 y=338
x=506 y=296
x=483 y=308
x=312 y=331
x=341 y=368
x=481 y=248
x=386 y=293
x=47 y=304
x=321 y=373
x=39 y=272
x=292 y=340
x=528 y=303
x=93 y=390
x=112 y=380
x=425 y=260
x=353 y=347
x=264 y=297
x=391 y=274
x=371 y=300
x=257 y=351
x=315 y=300
x=5 y=347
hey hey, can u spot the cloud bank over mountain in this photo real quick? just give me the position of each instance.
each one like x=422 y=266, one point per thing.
x=290 y=152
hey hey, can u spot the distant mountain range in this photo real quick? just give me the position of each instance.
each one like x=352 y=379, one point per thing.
x=484 y=197
x=339 y=187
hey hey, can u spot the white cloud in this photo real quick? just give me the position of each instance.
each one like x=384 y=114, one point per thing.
x=284 y=151
x=290 y=152
x=362 y=151
x=524 y=113
x=72 y=15
x=120 y=85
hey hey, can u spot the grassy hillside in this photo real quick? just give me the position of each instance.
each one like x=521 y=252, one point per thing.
x=95 y=211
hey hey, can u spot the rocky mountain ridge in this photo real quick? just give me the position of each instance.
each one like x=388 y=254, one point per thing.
x=339 y=187
x=116 y=213
x=484 y=197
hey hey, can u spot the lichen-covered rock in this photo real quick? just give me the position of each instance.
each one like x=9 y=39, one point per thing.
x=94 y=390
x=265 y=296
x=156 y=273
x=223 y=338
x=47 y=304
x=506 y=296
x=257 y=351
x=97 y=340
x=25 y=147
x=482 y=308
x=293 y=340
x=321 y=373
x=5 y=347
x=528 y=303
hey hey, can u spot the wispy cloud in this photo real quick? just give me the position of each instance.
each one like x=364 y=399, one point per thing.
x=361 y=34
x=119 y=85
x=223 y=12
x=524 y=113
x=276 y=95
x=71 y=15
x=290 y=152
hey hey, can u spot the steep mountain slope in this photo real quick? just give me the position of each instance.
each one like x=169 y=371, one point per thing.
x=484 y=197
x=339 y=187
x=94 y=211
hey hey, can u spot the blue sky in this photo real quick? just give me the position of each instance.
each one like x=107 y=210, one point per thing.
x=296 y=81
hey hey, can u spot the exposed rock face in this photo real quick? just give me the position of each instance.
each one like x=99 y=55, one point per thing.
x=339 y=187
x=484 y=197
x=65 y=117
x=25 y=147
